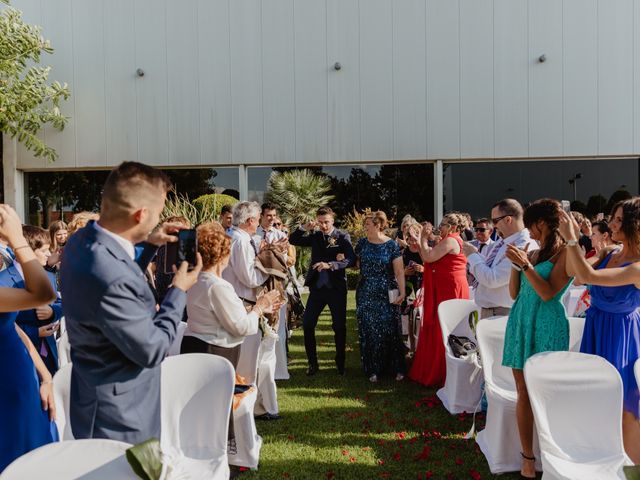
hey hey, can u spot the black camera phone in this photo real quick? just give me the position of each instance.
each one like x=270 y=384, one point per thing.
x=184 y=250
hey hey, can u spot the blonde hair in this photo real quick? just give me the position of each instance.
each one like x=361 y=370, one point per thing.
x=455 y=221
x=378 y=218
x=55 y=227
x=80 y=220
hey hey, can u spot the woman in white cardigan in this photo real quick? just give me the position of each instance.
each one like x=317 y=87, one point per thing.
x=217 y=319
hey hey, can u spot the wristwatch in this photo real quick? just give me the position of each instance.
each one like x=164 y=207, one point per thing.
x=572 y=243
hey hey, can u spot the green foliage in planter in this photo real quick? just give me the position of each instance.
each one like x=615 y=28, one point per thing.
x=212 y=204
x=203 y=209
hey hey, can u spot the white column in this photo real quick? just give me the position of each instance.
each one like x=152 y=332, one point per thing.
x=13 y=178
x=243 y=182
x=438 y=191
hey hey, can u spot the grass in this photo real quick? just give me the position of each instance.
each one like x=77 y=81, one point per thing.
x=346 y=428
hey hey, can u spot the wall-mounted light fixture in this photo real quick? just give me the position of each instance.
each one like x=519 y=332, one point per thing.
x=542 y=58
x=140 y=72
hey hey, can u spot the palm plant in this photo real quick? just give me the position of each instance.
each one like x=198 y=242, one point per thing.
x=298 y=194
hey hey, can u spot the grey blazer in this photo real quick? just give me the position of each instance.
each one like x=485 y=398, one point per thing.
x=118 y=340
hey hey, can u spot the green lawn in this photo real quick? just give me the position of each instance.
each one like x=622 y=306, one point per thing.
x=346 y=428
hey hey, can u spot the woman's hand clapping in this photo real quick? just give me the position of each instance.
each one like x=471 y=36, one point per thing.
x=568 y=227
x=269 y=302
x=518 y=256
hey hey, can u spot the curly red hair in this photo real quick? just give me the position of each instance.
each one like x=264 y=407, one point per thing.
x=213 y=243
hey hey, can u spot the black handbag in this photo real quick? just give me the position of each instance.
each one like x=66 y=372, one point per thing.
x=461 y=346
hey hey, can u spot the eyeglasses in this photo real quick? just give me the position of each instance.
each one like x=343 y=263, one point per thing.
x=481 y=229
x=496 y=220
x=277 y=224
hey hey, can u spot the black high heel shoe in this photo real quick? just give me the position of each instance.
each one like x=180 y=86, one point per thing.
x=531 y=459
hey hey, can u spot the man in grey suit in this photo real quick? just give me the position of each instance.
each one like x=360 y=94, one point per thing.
x=118 y=338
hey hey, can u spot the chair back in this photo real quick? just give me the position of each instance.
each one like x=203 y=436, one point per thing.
x=62 y=398
x=490 y=334
x=177 y=342
x=64 y=349
x=577 y=404
x=454 y=319
x=248 y=360
x=576 y=327
x=196 y=396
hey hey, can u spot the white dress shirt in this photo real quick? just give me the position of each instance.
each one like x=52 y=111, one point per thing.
x=241 y=272
x=123 y=242
x=216 y=314
x=493 y=280
x=270 y=236
x=485 y=250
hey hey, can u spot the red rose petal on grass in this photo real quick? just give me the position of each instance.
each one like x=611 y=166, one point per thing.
x=385 y=474
x=474 y=474
x=366 y=449
x=428 y=474
x=381 y=442
x=424 y=455
x=380 y=461
x=244 y=469
x=345 y=452
x=352 y=459
x=290 y=437
x=396 y=456
x=401 y=435
x=459 y=461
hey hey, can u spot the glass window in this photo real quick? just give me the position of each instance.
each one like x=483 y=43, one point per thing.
x=396 y=189
x=588 y=184
x=52 y=195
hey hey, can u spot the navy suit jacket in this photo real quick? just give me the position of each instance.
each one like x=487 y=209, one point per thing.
x=118 y=339
x=325 y=248
x=28 y=321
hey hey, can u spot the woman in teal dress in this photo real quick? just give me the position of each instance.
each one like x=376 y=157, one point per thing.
x=538 y=321
x=27 y=410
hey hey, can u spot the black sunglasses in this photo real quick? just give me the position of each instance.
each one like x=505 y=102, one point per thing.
x=481 y=229
x=496 y=220
x=277 y=224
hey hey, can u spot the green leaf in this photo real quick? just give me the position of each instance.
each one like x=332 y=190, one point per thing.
x=146 y=459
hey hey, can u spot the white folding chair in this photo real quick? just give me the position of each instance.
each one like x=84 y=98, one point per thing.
x=462 y=387
x=196 y=396
x=282 y=370
x=577 y=405
x=177 y=342
x=248 y=442
x=64 y=349
x=62 y=398
x=94 y=459
x=499 y=441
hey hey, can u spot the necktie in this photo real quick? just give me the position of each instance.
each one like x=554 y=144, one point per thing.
x=494 y=251
x=481 y=246
x=253 y=244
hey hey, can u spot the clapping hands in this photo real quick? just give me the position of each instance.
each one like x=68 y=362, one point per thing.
x=517 y=255
x=568 y=227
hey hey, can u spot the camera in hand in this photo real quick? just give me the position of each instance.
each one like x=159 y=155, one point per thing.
x=184 y=250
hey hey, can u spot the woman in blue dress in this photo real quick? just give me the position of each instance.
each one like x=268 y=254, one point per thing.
x=612 y=326
x=379 y=327
x=27 y=410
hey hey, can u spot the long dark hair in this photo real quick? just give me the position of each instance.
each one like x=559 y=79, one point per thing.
x=547 y=210
x=630 y=221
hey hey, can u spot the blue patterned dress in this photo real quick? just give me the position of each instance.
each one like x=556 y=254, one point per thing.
x=534 y=325
x=24 y=425
x=379 y=327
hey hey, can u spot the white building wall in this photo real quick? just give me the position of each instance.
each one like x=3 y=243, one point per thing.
x=252 y=82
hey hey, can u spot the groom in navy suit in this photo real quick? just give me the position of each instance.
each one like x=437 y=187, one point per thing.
x=118 y=337
x=327 y=282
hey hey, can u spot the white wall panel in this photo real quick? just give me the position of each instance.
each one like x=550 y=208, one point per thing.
x=183 y=100
x=343 y=35
x=545 y=79
x=476 y=78
x=56 y=18
x=214 y=82
x=443 y=78
x=278 y=80
x=120 y=88
x=409 y=79
x=376 y=80
x=151 y=90
x=311 y=69
x=615 y=77
x=89 y=77
x=511 y=81
x=580 y=77
x=32 y=13
x=246 y=81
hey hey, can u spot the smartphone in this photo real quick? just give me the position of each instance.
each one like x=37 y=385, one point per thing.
x=184 y=250
x=566 y=205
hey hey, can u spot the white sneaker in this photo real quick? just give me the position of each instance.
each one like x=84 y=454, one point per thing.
x=373 y=378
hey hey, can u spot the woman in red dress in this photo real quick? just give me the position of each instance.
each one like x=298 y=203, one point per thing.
x=444 y=278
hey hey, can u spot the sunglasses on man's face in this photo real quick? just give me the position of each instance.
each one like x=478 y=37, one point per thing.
x=496 y=220
x=481 y=229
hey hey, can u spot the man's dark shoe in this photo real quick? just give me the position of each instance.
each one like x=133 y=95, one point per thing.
x=268 y=416
x=312 y=370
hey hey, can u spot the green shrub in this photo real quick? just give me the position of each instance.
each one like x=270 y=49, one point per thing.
x=211 y=204
x=203 y=209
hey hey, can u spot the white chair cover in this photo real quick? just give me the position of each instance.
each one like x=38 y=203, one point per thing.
x=196 y=396
x=177 y=342
x=267 y=401
x=577 y=405
x=248 y=442
x=499 y=441
x=64 y=349
x=461 y=391
x=62 y=398
x=571 y=298
x=94 y=459
x=282 y=371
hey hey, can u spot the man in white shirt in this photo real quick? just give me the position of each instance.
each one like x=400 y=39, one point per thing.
x=245 y=278
x=483 y=231
x=493 y=271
